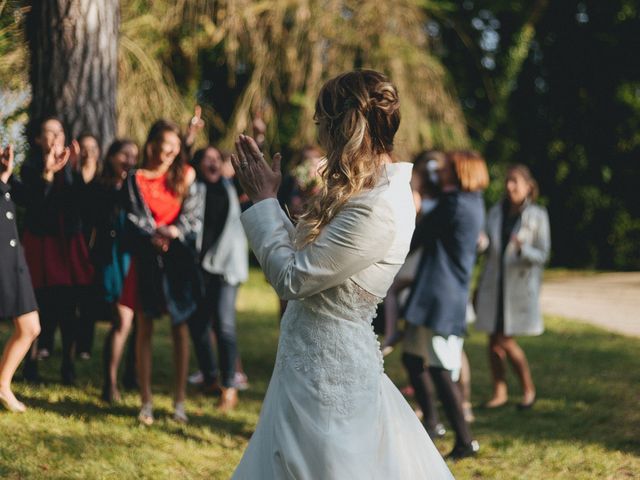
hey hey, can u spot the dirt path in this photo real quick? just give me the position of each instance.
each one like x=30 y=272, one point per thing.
x=608 y=300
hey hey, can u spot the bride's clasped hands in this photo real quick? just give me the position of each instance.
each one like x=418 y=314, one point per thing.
x=258 y=179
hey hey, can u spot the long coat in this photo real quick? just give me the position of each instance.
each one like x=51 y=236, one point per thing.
x=16 y=291
x=229 y=256
x=522 y=274
x=448 y=235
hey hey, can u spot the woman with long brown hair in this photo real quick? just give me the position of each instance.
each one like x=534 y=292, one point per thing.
x=507 y=302
x=330 y=411
x=163 y=276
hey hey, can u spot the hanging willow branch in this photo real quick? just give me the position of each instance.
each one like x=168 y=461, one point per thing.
x=290 y=48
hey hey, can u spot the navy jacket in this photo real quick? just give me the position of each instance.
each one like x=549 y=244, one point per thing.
x=448 y=236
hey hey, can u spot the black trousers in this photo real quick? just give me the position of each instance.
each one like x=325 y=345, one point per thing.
x=58 y=306
x=216 y=310
x=91 y=308
x=422 y=379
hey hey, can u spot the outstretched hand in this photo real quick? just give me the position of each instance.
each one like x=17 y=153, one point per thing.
x=54 y=162
x=195 y=126
x=6 y=163
x=257 y=178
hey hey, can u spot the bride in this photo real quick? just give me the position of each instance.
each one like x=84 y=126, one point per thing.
x=330 y=411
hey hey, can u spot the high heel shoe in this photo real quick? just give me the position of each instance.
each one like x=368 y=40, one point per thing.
x=14 y=406
x=526 y=406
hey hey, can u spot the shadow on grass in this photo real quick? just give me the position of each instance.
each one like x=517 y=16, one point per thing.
x=92 y=412
x=587 y=385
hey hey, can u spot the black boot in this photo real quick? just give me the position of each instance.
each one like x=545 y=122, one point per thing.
x=461 y=451
x=68 y=373
x=451 y=399
x=30 y=371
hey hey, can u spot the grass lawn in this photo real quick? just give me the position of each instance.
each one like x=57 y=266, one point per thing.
x=585 y=425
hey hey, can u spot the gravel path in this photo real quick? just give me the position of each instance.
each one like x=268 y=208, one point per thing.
x=608 y=300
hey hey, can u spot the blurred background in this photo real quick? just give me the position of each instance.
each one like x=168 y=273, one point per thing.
x=554 y=85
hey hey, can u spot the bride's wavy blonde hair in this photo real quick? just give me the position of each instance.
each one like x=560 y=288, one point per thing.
x=358 y=115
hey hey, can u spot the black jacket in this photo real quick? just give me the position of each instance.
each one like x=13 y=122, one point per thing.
x=170 y=279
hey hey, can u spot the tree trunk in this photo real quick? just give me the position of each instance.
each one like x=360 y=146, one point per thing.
x=73 y=65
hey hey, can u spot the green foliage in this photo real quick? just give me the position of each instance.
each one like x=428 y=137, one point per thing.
x=13 y=58
x=625 y=241
x=554 y=85
x=562 y=95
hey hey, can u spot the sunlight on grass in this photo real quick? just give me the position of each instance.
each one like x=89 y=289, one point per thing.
x=584 y=425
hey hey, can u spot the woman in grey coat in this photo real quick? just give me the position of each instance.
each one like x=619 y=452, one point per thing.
x=508 y=293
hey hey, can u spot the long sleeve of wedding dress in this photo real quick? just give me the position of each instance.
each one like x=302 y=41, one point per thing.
x=330 y=412
x=349 y=244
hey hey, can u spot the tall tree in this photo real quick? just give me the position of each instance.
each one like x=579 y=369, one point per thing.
x=73 y=48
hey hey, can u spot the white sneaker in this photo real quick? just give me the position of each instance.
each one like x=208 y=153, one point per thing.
x=179 y=413
x=146 y=414
x=43 y=354
x=196 y=378
x=240 y=381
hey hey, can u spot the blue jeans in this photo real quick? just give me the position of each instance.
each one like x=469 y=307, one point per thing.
x=217 y=310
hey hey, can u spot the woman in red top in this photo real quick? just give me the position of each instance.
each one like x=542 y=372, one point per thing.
x=163 y=275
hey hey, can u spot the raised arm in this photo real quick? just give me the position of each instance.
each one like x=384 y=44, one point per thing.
x=352 y=241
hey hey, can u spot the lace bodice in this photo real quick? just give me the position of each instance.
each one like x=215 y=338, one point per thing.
x=329 y=338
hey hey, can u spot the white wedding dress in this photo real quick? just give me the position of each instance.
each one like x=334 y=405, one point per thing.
x=330 y=411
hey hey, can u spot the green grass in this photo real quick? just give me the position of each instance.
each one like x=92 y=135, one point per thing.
x=585 y=425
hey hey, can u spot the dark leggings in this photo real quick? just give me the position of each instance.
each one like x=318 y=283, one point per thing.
x=422 y=379
x=91 y=307
x=58 y=306
x=216 y=310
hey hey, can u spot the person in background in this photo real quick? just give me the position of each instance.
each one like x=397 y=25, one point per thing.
x=17 y=298
x=298 y=186
x=55 y=247
x=112 y=260
x=436 y=309
x=240 y=380
x=303 y=181
x=89 y=164
x=507 y=302
x=89 y=167
x=425 y=188
x=163 y=220
x=224 y=263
